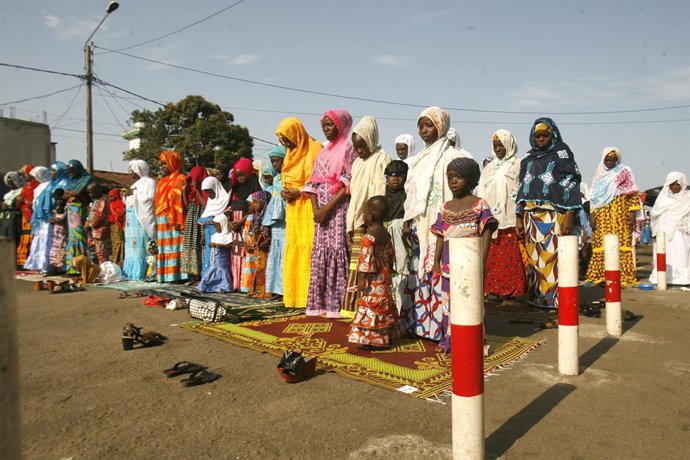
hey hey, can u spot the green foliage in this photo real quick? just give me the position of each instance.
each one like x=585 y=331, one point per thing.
x=199 y=129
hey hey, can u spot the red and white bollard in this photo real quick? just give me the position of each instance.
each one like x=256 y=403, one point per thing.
x=467 y=346
x=660 y=261
x=612 y=265
x=568 y=305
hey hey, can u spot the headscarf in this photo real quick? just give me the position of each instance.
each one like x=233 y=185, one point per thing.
x=170 y=188
x=142 y=198
x=467 y=169
x=584 y=191
x=267 y=170
x=223 y=237
x=396 y=197
x=258 y=167
x=16 y=178
x=299 y=162
x=368 y=178
x=675 y=206
x=611 y=183
x=196 y=176
x=499 y=181
x=430 y=166
x=279 y=151
x=338 y=155
x=454 y=136
x=275 y=211
x=81 y=181
x=219 y=203
x=27 y=193
x=261 y=199
x=408 y=140
x=549 y=176
x=117 y=208
x=240 y=192
x=40 y=214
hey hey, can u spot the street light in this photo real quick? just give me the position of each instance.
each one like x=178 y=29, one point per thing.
x=112 y=6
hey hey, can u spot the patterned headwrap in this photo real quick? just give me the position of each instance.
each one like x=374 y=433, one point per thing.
x=261 y=199
x=466 y=168
x=438 y=117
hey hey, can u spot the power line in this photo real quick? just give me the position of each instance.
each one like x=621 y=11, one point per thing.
x=381 y=101
x=110 y=108
x=69 y=107
x=182 y=29
x=82 y=131
x=36 y=69
x=103 y=82
x=41 y=96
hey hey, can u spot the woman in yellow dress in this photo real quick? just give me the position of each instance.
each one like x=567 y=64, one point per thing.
x=299 y=218
x=614 y=204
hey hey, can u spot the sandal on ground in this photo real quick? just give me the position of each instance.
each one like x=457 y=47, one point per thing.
x=146 y=339
x=183 y=367
x=199 y=377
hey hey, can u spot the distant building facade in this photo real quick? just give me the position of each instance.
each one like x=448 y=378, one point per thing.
x=23 y=142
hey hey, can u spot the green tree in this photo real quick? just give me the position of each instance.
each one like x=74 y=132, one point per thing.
x=195 y=127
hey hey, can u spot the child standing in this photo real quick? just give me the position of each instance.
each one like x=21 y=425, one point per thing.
x=274 y=220
x=464 y=216
x=375 y=323
x=396 y=175
x=367 y=180
x=218 y=277
x=257 y=240
x=117 y=226
x=97 y=223
x=59 y=221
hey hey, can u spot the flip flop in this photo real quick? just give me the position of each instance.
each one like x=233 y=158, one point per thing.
x=183 y=367
x=155 y=301
x=199 y=378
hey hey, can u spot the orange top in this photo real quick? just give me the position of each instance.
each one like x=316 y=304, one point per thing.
x=170 y=189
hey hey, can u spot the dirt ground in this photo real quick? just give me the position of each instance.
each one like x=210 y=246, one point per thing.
x=83 y=397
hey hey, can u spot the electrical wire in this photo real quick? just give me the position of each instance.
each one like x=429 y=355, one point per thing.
x=36 y=69
x=387 y=102
x=69 y=107
x=41 y=96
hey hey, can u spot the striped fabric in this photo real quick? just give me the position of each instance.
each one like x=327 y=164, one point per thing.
x=169 y=251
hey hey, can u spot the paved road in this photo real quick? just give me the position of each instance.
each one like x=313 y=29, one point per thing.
x=83 y=397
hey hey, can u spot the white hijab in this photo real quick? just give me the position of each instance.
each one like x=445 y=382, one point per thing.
x=223 y=237
x=217 y=205
x=368 y=176
x=675 y=206
x=408 y=140
x=499 y=182
x=42 y=175
x=142 y=198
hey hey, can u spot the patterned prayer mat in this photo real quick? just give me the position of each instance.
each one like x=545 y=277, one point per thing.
x=239 y=306
x=415 y=367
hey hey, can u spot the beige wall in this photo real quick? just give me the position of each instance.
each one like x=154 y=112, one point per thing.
x=23 y=142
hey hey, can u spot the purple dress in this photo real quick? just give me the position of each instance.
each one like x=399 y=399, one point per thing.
x=330 y=256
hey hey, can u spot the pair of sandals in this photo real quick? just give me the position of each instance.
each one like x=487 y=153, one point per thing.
x=198 y=373
x=132 y=334
x=66 y=286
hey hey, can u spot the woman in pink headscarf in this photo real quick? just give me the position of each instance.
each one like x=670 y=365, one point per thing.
x=327 y=188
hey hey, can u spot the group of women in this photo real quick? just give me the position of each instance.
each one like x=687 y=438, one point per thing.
x=306 y=209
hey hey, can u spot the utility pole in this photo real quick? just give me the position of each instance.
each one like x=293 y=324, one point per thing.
x=89 y=109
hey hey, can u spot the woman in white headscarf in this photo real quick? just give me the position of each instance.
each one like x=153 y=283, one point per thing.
x=505 y=274
x=218 y=200
x=10 y=219
x=614 y=203
x=41 y=231
x=671 y=215
x=427 y=189
x=404 y=147
x=140 y=223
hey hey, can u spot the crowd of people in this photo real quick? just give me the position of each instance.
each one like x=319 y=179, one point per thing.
x=343 y=230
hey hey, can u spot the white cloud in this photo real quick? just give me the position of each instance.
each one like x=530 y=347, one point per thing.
x=240 y=59
x=390 y=59
x=71 y=29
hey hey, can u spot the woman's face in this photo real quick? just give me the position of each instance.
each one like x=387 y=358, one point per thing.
x=427 y=130
x=211 y=193
x=277 y=163
x=610 y=160
x=402 y=150
x=216 y=225
x=361 y=147
x=330 y=130
x=240 y=176
x=499 y=149
x=73 y=173
x=268 y=179
x=134 y=175
x=164 y=168
x=53 y=173
x=542 y=139
x=287 y=143
x=674 y=187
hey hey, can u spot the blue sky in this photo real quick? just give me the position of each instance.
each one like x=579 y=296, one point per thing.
x=516 y=56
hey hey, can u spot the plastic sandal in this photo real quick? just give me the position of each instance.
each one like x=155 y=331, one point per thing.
x=199 y=378
x=183 y=367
